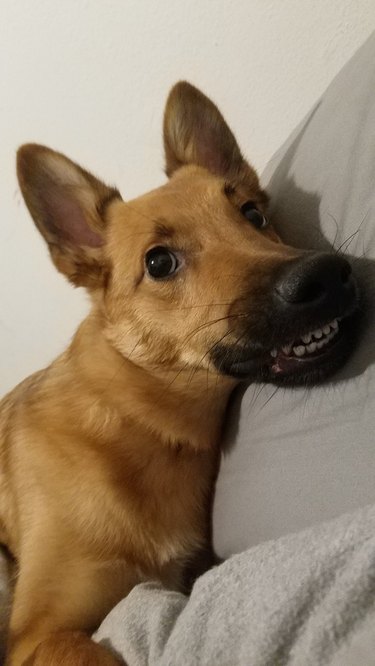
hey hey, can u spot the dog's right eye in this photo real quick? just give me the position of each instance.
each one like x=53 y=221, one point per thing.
x=161 y=262
x=253 y=215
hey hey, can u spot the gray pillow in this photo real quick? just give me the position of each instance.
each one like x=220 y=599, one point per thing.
x=298 y=457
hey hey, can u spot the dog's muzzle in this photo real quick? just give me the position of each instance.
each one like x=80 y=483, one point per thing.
x=306 y=327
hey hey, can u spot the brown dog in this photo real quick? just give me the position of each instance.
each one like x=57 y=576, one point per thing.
x=109 y=456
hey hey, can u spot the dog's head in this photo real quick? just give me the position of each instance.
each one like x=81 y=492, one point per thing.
x=192 y=275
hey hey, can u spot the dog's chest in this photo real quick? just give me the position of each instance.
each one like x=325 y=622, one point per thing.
x=153 y=506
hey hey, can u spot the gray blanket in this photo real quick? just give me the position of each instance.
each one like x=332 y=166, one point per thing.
x=307 y=599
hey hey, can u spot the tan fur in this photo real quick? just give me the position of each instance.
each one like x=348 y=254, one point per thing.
x=72 y=648
x=109 y=456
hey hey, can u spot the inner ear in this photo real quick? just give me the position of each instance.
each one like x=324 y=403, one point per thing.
x=65 y=201
x=68 y=206
x=65 y=218
x=195 y=132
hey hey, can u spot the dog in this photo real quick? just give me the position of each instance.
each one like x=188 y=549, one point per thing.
x=109 y=456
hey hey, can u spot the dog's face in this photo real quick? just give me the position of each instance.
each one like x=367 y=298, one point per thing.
x=192 y=276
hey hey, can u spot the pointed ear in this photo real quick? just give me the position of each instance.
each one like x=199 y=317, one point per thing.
x=67 y=204
x=195 y=132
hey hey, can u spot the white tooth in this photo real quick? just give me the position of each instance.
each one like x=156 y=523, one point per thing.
x=299 y=351
x=274 y=353
x=318 y=333
x=326 y=329
x=321 y=344
x=334 y=324
x=306 y=338
x=287 y=349
x=311 y=348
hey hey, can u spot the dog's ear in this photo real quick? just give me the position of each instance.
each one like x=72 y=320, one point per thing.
x=195 y=132
x=67 y=204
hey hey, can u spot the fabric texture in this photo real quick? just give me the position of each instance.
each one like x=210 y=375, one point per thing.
x=298 y=457
x=303 y=600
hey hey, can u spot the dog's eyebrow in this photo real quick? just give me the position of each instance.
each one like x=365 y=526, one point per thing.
x=162 y=230
x=229 y=189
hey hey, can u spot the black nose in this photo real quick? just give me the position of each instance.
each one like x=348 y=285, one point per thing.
x=315 y=280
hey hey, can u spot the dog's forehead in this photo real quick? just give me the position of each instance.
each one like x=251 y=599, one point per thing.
x=193 y=200
x=192 y=190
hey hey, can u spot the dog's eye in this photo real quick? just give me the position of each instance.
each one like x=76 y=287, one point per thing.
x=161 y=262
x=250 y=211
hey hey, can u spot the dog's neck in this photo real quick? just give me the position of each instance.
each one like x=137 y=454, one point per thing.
x=181 y=407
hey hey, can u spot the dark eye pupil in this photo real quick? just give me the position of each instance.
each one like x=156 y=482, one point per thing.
x=160 y=262
x=253 y=215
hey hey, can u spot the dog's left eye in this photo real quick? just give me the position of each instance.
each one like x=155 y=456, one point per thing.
x=161 y=262
x=250 y=211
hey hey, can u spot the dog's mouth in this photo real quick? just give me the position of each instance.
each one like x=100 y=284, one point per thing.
x=310 y=357
x=308 y=348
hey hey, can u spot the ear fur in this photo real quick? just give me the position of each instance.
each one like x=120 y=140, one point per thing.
x=67 y=205
x=195 y=132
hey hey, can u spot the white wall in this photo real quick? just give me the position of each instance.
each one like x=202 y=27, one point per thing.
x=89 y=77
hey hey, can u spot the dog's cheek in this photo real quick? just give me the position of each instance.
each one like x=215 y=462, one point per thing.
x=196 y=357
x=160 y=349
x=143 y=344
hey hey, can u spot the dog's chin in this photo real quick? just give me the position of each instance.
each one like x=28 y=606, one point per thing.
x=310 y=358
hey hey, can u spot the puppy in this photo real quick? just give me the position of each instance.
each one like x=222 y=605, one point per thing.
x=109 y=455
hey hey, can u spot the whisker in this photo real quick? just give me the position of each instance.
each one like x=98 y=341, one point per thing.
x=191 y=307
x=269 y=398
x=337 y=230
x=211 y=323
x=258 y=389
x=347 y=242
x=215 y=345
x=350 y=238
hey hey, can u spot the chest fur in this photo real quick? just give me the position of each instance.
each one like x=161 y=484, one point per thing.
x=147 y=504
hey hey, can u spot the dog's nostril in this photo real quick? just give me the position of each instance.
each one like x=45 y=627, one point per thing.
x=310 y=292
